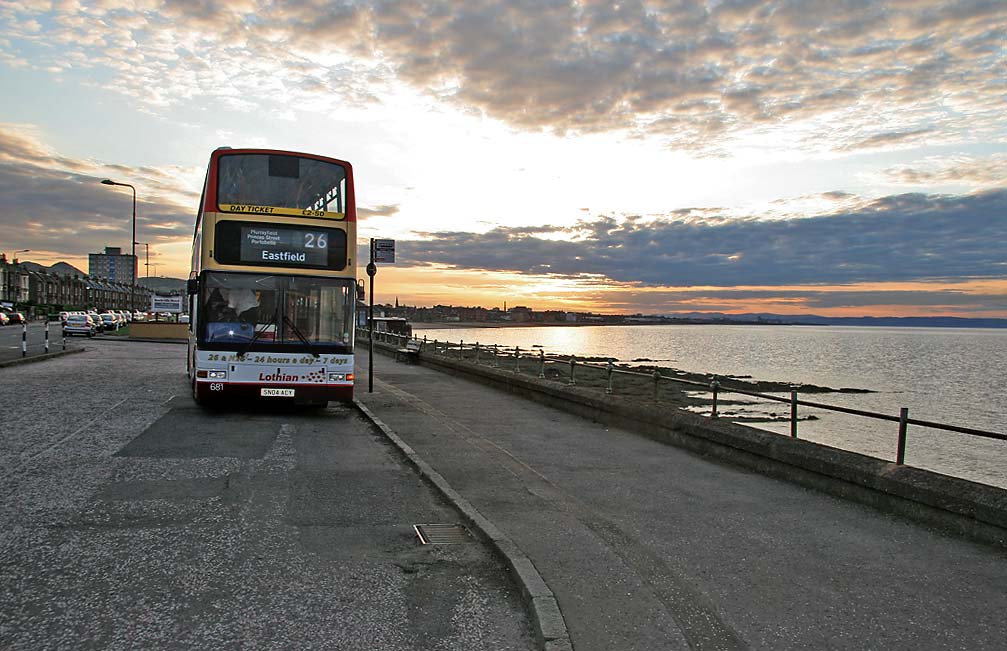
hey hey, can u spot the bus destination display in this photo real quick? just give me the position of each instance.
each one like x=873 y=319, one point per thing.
x=271 y=244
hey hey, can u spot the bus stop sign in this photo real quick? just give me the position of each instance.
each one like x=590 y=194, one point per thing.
x=384 y=251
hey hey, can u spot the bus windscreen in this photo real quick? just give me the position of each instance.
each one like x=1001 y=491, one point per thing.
x=277 y=311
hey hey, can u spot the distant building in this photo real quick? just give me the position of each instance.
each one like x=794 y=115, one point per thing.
x=520 y=314
x=112 y=265
x=13 y=280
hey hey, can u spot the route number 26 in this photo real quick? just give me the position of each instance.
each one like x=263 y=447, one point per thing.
x=316 y=240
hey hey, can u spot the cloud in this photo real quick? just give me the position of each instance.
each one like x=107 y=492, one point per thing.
x=57 y=205
x=886 y=140
x=984 y=172
x=377 y=211
x=959 y=299
x=696 y=74
x=909 y=237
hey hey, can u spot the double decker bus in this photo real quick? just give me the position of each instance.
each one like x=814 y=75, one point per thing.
x=272 y=290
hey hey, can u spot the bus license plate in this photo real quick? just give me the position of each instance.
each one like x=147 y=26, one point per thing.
x=276 y=393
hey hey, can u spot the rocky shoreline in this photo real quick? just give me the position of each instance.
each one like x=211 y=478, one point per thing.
x=726 y=382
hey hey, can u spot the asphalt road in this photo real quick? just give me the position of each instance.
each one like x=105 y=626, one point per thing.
x=131 y=518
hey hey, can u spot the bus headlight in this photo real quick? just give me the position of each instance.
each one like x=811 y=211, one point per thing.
x=216 y=375
x=337 y=377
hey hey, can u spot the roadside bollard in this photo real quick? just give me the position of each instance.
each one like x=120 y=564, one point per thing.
x=47 y=337
x=461 y=349
x=477 y=352
x=517 y=359
x=541 y=359
x=573 y=363
x=62 y=336
x=793 y=414
x=608 y=389
x=24 y=339
x=435 y=346
x=900 y=455
x=714 y=386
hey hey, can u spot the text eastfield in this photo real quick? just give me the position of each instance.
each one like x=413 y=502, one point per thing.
x=284 y=256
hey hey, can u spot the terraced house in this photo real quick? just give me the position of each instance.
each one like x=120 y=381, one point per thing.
x=38 y=291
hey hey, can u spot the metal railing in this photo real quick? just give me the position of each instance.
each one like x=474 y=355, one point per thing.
x=45 y=341
x=528 y=361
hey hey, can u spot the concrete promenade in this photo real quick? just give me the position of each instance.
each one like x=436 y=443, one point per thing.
x=647 y=546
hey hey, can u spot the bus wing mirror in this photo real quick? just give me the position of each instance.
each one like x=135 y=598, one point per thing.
x=192 y=286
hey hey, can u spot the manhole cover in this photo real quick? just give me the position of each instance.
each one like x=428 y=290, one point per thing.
x=442 y=534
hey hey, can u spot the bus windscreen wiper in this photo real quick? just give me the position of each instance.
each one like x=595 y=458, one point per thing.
x=258 y=333
x=304 y=340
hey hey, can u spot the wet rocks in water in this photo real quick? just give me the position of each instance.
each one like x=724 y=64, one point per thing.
x=745 y=383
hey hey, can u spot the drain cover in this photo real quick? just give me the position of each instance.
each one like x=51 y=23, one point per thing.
x=442 y=534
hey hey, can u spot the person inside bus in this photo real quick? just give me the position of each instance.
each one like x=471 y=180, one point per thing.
x=217 y=307
x=244 y=303
x=221 y=319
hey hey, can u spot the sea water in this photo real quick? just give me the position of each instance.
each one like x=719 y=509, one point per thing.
x=948 y=375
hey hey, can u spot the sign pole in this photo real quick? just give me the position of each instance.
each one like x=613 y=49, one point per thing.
x=381 y=251
x=372 y=269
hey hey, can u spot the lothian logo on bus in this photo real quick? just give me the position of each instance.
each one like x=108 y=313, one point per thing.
x=278 y=377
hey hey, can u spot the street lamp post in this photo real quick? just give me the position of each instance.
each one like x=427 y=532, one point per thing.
x=132 y=291
x=12 y=294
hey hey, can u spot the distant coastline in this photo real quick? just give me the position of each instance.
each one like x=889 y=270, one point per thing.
x=864 y=322
x=458 y=325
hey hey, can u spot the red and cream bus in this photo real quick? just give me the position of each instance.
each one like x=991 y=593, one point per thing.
x=272 y=291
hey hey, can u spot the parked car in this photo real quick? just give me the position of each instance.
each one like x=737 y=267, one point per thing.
x=4 y=319
x=17 y=317
x=99 y=325
x=79 y=324
x=110 y=321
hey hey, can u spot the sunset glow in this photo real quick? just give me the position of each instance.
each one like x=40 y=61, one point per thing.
x=640 y=157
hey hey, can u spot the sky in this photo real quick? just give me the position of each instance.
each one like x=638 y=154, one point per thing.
x=833 y=157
